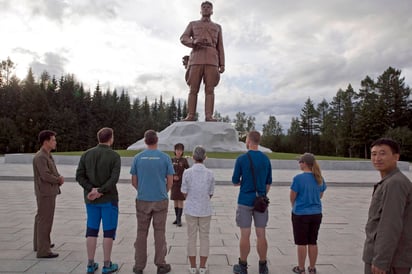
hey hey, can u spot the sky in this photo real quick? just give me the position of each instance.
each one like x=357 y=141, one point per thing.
x=278 y=53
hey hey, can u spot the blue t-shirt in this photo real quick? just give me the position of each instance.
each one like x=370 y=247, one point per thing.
x=242 y=173
x=308 y=191
x=151 y=167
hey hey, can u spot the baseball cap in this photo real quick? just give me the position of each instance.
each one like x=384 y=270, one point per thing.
x=307 y=158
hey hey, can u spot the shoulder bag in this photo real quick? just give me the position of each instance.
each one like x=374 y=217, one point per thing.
x=261 y=202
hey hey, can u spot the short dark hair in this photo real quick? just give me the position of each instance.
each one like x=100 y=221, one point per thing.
x=206 y=3
x=150 y=137
x=389 y=142
x=104 y=135
x=45 y=135
x=180 y=146
x=254 y=137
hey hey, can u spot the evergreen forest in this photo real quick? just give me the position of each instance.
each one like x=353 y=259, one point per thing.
x=345 y=126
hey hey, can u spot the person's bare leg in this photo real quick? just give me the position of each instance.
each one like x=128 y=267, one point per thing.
x=203 y=261
x=91 y=243
x=313 y=255
x=244 y=243
x=192 y=260
x=107 y=248
x=262 y=244
x=302 y=250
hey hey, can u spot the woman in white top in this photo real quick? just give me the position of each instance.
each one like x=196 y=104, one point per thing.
x=198 y=184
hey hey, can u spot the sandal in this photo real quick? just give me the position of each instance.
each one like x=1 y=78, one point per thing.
x=312 y=270
x=296 y=269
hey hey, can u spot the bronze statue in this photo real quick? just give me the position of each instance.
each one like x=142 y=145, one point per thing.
x=206 y=61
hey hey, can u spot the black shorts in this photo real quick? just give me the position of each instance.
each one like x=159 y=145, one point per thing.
x=306 y=228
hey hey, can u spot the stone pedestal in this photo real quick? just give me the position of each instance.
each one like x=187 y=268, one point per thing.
x=213 y=136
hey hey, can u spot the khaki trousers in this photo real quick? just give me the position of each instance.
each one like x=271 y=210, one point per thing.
x=145 y=212
x=43 y=222
x=195 y=225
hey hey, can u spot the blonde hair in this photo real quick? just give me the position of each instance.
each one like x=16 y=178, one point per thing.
x=317 y=173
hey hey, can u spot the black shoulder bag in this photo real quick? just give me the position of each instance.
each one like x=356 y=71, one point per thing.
x=261 y=202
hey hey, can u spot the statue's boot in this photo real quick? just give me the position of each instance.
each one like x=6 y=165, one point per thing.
x=209 y=106
x=192 y=101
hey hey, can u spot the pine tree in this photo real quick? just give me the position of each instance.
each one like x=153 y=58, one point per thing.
x=309 y=123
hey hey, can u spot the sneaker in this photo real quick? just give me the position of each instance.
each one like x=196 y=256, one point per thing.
x=92 y=268
x=263 y=268
x=192 y=270
x=240 y=269
x=203 y=271
x=110 y=269
x=163 y=269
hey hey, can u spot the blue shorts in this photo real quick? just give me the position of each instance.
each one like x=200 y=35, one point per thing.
x=108 y=213
x=244 y=215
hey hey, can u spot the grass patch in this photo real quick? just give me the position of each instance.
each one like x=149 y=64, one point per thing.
x=222 y=155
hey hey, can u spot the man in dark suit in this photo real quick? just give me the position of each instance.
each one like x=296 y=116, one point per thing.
x=47 y=182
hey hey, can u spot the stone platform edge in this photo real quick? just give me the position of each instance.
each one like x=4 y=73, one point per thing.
x=217 y=163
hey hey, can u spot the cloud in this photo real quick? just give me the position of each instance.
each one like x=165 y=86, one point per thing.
x=102 y=9
x=60 y=10
x=4 y=5
x=51 y=62
x=53 y=9
x=278 y=53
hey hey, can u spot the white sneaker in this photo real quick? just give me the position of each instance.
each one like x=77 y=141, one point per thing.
x=192 y=270
x=203 y=271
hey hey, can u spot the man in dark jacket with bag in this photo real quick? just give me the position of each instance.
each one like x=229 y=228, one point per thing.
x=253 y=173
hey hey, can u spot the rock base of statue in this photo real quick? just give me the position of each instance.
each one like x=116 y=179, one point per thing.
x=214 y=137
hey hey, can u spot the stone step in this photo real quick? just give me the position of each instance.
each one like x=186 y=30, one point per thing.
x=217 y=163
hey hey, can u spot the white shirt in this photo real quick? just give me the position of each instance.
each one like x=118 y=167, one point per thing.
x=198 y=183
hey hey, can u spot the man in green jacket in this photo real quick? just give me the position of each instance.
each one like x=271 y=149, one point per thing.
x=388 y=244
x=98 y=173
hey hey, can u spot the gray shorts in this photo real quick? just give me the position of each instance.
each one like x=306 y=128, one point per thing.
x=244 y=215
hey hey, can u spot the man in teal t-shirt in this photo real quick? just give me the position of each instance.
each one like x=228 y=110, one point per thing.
x=152 y=176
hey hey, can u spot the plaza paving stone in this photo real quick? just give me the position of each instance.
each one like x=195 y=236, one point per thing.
x=340 y=238
x=341 y=235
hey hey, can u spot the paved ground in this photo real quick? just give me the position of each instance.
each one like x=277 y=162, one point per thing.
x=340 y=240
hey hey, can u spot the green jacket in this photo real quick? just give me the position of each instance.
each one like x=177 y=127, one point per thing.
x=99 y=167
